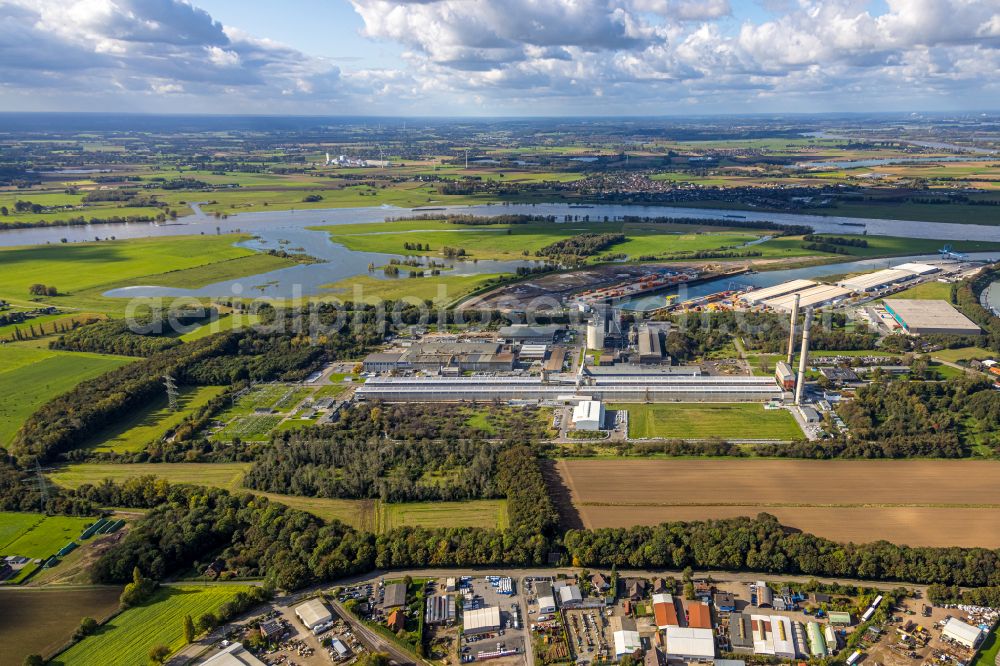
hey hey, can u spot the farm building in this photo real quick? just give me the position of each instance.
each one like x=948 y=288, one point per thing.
x=588 y=415
x=440 y=609
x=741 y=633
x=664 y=611
x=930 y=317
x=234 y=655
x=395 y=596
x=313 y=613
x=481 y=620
x=625 y=635
x=690 y=644
x=524 y=334
x=546 y=599
x=962 y=633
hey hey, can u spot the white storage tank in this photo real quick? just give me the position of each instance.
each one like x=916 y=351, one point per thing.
x=595 y=335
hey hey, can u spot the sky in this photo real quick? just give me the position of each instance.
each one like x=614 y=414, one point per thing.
x=499 y=57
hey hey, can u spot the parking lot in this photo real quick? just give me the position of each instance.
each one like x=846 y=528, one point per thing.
x=481 y=593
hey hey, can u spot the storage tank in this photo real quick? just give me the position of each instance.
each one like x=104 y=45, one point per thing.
x=595 y=335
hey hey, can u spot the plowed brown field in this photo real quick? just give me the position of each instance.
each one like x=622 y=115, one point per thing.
x=917 y=502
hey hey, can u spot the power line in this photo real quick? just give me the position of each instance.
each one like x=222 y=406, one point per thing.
x=171 y=386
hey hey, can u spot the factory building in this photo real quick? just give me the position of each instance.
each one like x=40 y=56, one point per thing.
x=588 y=415
x=532 y=352
x=650 y=345
x=784 y=375
x=556 y=360
x=525 y=334
x=436 y=356
x=930 y=317
x=642 y=388
x=440 y=609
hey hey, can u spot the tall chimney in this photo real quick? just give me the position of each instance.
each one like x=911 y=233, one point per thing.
x=800 y=384
x=792 y=331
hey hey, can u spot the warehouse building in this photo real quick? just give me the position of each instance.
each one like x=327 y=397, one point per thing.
x=556 y=360
x=757 y=296
x=817 y=642
x=383 y=362
x=962 y=633
x=740 y=633
x=874 y=281
x=570 y=596
x=532 y=352
x=588 y=415
x=690 y=644
x=481 y=621
x=930 y=317
x=887 y=277
x=546 y=598
x=664 y=611
x=765 y=597
x=233 y=655
x=699 y=615
x=625 y=635
x=313 y=613
x=817 y=296
x=525 y=334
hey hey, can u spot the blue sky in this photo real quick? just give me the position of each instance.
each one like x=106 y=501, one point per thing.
x=500 y=57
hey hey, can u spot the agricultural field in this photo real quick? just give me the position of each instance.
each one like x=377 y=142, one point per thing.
x=218 y=475
x=364 y=514
x=878 y=246
x=82 y=271
x=30 y=377
x=42 y=620
x=41 y=536
x=150 y=424
x=915 y=502
x=473 y=513
x=518 y=241
x=442 y=289
x=705 y=420
x=128 y=637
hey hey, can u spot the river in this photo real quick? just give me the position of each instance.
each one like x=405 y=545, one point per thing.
x=338 y=263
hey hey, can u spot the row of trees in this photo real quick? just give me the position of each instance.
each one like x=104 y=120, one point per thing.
x=581 y=245
x=763 y=544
